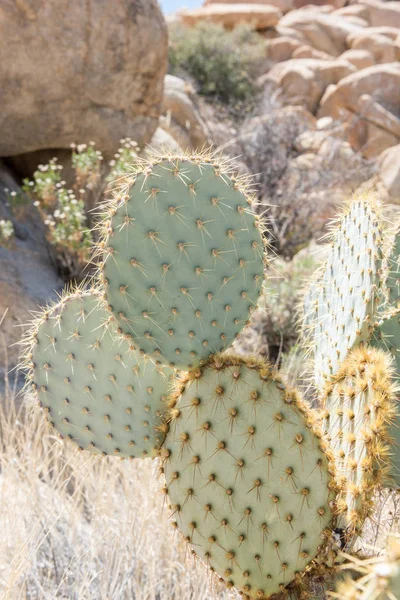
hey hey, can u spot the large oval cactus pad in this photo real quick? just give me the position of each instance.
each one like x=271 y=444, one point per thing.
x=247 y=474
x=94 y=388
x=183 y=259
x=359 y=407
x=342 y=301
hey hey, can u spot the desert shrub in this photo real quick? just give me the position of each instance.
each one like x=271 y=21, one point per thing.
x=224 y=64
x=63 y=209
x=6 y=232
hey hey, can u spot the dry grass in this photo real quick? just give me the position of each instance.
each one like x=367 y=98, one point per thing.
x=78 y=527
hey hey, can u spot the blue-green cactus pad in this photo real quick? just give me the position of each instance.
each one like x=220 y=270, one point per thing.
x=95 y=389
x=183 y=260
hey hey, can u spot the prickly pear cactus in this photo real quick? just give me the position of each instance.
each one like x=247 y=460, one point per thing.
x=379 y=577
x=183 y=258
x=339 y=311
x=94 y=388
x=359 y=407
x=247 y=474
x=393 y=278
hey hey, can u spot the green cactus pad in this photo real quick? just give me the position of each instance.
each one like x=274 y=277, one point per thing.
x=359 y=406
x=393 y=278
x=183 y=259
x=341 y=310
x=247 y=475
x=94 y=388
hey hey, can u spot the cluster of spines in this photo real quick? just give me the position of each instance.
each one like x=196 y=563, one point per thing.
x=359 y=406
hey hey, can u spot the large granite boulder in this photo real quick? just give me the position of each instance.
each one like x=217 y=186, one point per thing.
x=369 y=102
x=325 y=32
x=77 y=71
x=259 y=16
x=303 y=81
x=283 y=5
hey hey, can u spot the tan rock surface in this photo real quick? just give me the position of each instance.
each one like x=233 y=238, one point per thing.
x=389 y=172
x=303 y=81
x=77 y=71
x=368 y=102
x=181 y=118
x=283 y=5
x=281 y=48
x=383 y=13
x=325 y=32
x=259 y=16
x=381 y=47
x=361 y=59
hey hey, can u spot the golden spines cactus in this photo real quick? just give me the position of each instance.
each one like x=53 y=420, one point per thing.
x=378 y=577
x=359 y=407
x=340 y=303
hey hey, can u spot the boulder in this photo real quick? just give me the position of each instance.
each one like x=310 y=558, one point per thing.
x=354 y=10
x=382 y=13
x=303 y=81
x=325 y=32
x=308 y=52
x=381 y=82
x=389 y=172
x=162 y=140
x=324 y=5
x=259 y=16
x=78 y=71
x=181 y=117
x=382 y=48
x=27 y=278
x=281 y=48
x=283 y=5
x=361 y=59
x=368 y=101
x=389 y=32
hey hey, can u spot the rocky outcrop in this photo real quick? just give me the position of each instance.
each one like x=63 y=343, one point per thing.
x=281 y=48
x=382 y=47
x=360 y=59
x=368 y=101
x=382 y=13
x=180 y=116
x=389 y=172
x=283 y=5
x=303 y=81
x=27 y=276
x=78 y=71
x=259 y=16
x=325 y=32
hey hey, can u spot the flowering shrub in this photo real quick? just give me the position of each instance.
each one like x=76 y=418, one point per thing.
x=6 y=232
x=64 y=210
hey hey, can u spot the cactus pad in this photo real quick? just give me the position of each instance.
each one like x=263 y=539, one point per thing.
x=183 y=259
x=94 y=388
x=247 y=474
x=359 y=407
x=346 y=298
x=393 y=278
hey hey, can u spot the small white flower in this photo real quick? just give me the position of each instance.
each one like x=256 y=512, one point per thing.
x=36 y=203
